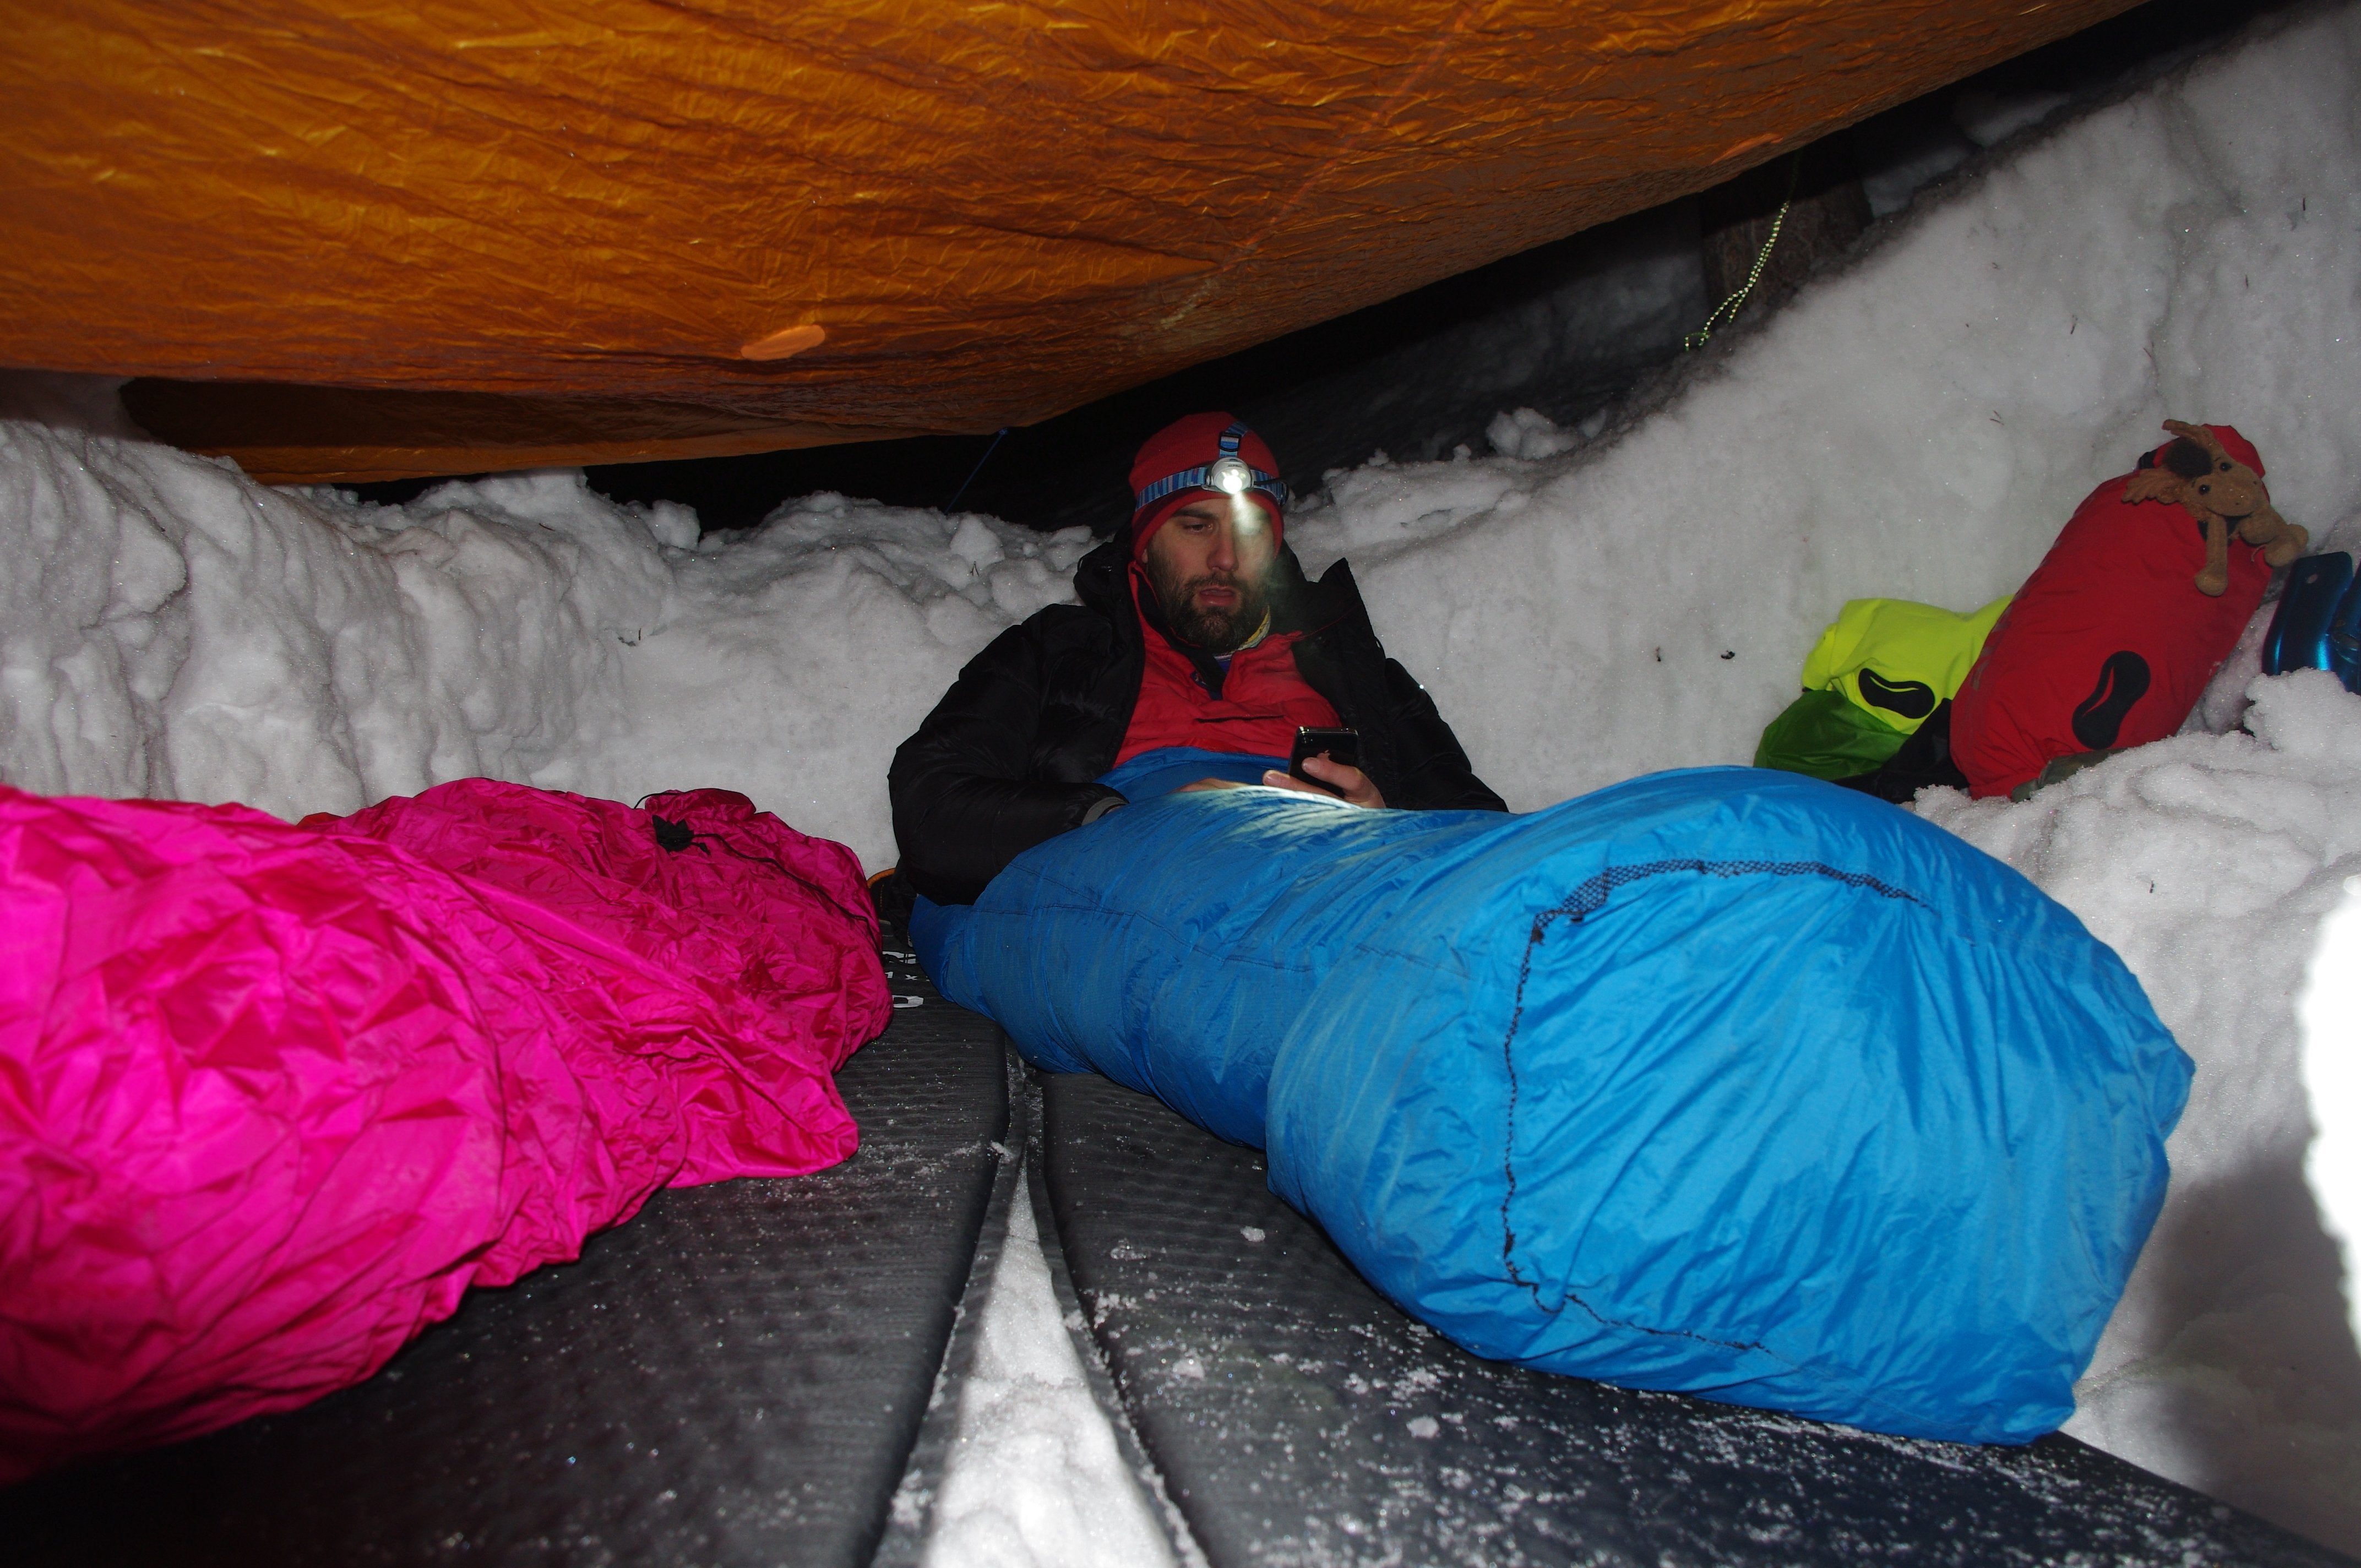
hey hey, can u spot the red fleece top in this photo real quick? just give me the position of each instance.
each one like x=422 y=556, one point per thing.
x=1263 y=700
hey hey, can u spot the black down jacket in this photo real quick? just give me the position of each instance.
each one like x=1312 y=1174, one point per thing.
x=1007 y=758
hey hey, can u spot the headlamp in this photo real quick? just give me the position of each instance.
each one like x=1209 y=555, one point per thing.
x=1228 y=473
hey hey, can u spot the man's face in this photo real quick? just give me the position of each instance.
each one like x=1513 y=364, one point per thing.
x=1210 y=566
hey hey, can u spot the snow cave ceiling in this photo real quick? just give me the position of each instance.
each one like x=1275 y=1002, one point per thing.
x=346 y=240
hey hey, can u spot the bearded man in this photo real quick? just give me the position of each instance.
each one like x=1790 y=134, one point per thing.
x=1196 y=652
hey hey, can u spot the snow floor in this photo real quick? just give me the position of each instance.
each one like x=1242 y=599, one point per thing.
x=1587 y=604
x=1034 y=1475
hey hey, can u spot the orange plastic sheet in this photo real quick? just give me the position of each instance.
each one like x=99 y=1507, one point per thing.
x=356 y=239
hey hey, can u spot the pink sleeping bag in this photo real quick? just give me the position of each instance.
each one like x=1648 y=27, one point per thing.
x=272 y=1098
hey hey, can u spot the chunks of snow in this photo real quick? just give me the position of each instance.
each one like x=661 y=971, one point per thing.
x=1918 y=155
x=1530 y=434
x=673 y=525
x=2212 y=864
x=1988 y=119
x=1585 y=605
x=174 y=629
x=2328 y=1016
x=1036 y=1480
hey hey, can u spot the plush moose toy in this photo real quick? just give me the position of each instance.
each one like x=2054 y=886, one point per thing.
x=2222 y=493
x=2109 y=645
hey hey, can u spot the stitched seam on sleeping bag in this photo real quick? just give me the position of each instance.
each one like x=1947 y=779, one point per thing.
x=1587 y=899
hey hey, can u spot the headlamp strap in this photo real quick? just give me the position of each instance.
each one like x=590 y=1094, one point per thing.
x=1194 y=478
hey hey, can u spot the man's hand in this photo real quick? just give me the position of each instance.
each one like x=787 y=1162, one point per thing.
x=1352 y=784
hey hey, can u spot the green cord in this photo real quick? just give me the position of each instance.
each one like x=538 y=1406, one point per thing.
x=1736 y=302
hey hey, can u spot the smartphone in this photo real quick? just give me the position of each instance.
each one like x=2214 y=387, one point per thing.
x=1341 y=746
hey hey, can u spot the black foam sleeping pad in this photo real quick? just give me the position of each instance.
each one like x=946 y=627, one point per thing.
x=1298 y=1417
x=736 y=1375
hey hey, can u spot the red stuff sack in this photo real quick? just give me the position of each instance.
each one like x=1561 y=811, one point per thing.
x=2109 y=643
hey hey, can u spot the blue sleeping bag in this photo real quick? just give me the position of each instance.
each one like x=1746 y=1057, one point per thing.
x=1725 y=1081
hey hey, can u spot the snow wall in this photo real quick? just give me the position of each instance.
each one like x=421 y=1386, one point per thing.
x=1585 y=605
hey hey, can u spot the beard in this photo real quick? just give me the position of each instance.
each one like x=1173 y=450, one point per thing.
x=1221 y=630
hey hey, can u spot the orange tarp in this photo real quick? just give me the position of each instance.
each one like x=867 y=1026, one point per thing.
x=362 y=239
